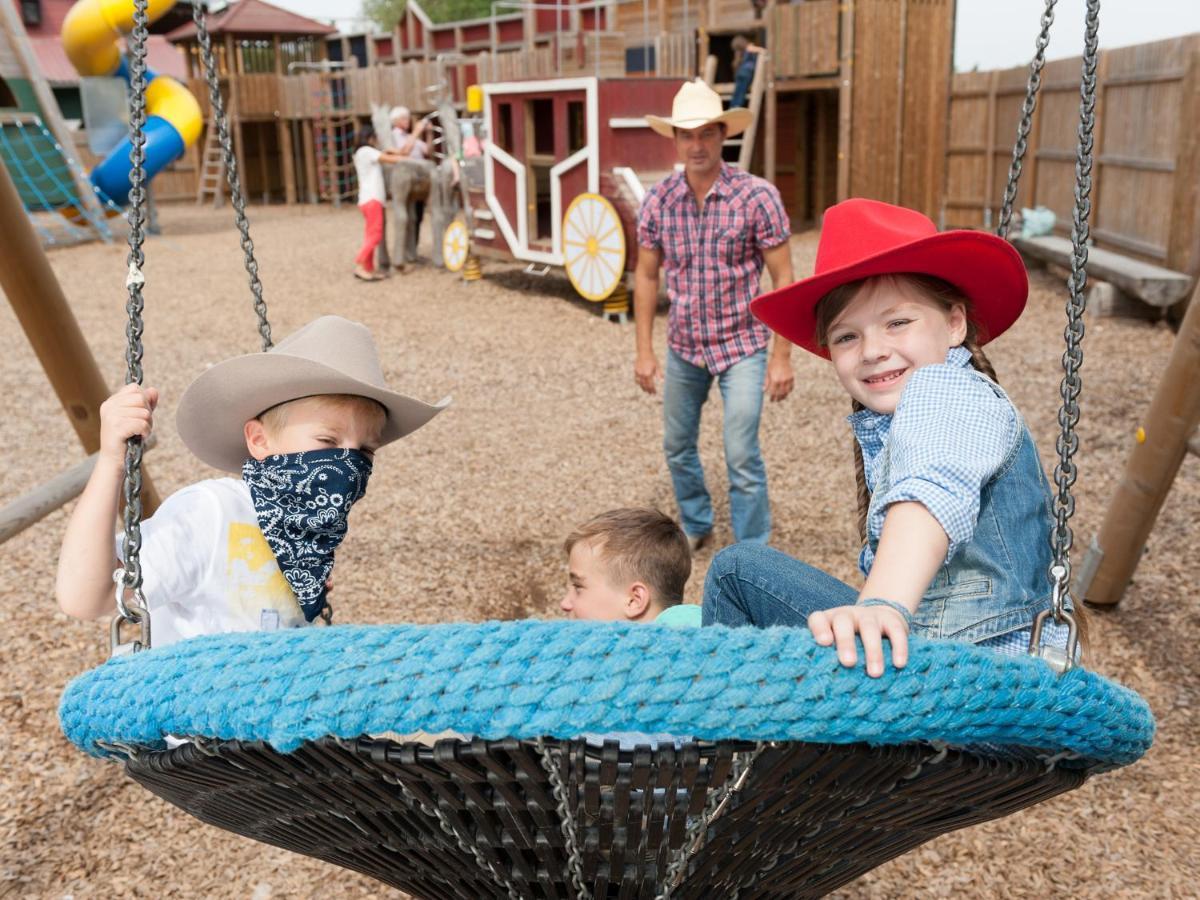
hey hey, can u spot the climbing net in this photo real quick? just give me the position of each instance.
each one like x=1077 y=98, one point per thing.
x=46 y=176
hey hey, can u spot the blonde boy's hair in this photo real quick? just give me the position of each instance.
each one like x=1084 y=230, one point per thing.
x=276 y=417
x=638 y=544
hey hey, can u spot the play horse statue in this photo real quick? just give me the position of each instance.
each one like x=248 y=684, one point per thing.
x=414 y=181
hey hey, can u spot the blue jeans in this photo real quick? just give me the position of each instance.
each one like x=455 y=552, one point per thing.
x=749 y=584
x=685 y=388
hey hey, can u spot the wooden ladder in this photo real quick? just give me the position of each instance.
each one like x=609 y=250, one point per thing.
x=212 y=159
x=212 y=168
x=758 y=87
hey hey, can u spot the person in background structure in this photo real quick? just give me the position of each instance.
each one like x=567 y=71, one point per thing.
x=712 y=228
x=745 y=58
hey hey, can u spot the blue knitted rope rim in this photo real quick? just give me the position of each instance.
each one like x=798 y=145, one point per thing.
x=565 y=679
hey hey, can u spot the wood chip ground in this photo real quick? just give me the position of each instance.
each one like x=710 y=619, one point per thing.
x=465 y=522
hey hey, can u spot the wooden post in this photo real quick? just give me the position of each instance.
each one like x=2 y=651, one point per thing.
x=1184 y=233
x=845 y=100
x=46 y=318
x=286 y=151
x=898 y=147
x=989 y=150
x=310 y=161
x=51 y=115
x=770 y=134
x=1153 y=464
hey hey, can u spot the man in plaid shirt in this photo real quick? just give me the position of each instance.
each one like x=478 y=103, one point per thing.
x=711 y=228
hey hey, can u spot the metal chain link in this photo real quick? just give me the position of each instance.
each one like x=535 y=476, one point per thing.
x=463 y=844
x=718 y=801
x=1065 y=472
x=1026 y=123
x=1068 y=414
x=129 y=576
x=566 y=819
x=231 y=170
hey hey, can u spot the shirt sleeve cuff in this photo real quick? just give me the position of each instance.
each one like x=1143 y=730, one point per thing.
x=941 y=503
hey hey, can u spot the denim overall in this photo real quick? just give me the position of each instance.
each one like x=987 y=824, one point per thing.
x=999 y=580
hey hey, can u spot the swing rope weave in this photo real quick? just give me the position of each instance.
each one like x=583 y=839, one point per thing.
x=564 y=679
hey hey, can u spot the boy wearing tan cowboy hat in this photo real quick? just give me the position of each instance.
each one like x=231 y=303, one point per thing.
x=300 y=423
x=711 y=228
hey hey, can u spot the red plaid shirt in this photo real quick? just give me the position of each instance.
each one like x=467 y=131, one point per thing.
x=713 y=262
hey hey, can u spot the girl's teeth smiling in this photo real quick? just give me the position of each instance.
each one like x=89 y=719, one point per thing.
x=884 y=378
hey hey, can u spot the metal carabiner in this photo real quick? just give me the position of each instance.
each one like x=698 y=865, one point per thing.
x=1059 y=660
x=136 y=614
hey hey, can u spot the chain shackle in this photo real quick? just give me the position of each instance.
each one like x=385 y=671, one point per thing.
x=236 y=197
x=1026 y=123
x=130 y=574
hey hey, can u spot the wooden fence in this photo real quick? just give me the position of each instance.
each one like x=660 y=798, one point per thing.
x=806 y=38
x=1147 y=155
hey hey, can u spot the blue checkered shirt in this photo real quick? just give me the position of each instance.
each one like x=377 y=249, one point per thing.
x=951 y=432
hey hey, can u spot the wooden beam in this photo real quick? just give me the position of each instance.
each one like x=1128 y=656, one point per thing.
x=1153 y=464
x=287 y=151
x=845 y=100
x=46 y=318
x=989 y=162
x=310 y=161
x=901 y=72
x=31 y=508
x=771 y=132
x=1185 y=223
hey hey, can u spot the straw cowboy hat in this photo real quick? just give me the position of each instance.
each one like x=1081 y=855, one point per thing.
x=861 y=238
x=330 y=355
x=697 y=105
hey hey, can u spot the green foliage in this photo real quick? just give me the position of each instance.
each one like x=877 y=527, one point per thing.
x=456 y=10
x=386 y=13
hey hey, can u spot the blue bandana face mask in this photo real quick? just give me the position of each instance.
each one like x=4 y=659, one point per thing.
x=302 y=501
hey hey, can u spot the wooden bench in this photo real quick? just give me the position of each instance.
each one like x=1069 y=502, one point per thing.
x=1130 y=284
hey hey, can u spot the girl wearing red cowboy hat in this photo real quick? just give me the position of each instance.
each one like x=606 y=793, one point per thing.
x=954 y=507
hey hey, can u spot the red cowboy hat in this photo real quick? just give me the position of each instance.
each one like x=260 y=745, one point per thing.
x=861 y=238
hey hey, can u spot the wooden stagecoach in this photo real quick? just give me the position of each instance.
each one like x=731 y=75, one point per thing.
x=564 y=169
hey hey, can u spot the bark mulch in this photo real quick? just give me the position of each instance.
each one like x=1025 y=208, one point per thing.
x=465 y=521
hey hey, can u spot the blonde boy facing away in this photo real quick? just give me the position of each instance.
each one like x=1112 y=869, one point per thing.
x=301 y=424
x=629 y=565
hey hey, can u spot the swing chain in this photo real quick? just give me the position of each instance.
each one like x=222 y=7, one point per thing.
x=1065 y=473
x=566 y=818
x=465 y=845
x=231 y=170
x=129 y=576
x=1026 y=124
x=718 y=802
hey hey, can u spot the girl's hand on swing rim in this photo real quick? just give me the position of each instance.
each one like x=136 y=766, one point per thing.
x=838 y=626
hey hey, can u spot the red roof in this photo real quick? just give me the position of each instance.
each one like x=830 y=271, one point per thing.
x=253 y=17
x=161 y=56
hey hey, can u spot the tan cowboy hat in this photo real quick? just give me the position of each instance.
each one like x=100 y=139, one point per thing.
x=330 y=355
x=695 y=106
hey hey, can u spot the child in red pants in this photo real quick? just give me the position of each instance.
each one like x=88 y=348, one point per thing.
x=372 y=195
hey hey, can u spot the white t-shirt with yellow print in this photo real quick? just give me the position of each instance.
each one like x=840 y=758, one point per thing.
x=207 y=569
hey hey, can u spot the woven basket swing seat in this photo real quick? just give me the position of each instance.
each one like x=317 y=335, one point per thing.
x=596 y=760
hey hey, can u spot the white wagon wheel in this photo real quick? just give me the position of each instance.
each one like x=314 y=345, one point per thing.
x=593 y=246
x=456 y=242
